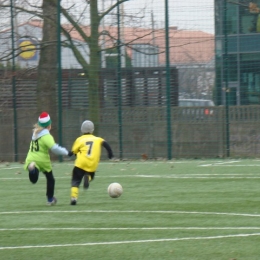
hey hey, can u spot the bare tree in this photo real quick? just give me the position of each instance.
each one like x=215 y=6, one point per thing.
x=47 y=69
x=92 y=68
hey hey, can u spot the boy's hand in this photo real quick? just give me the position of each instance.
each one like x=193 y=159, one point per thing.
x=70 y=153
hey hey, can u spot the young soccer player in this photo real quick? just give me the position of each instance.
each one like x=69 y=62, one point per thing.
x=38 y=158
x=87 y=149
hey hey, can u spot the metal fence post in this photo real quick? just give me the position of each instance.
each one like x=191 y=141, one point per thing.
x=119 y=82
x=168 y=86
x=226 y=68
x=14 y=84
x=59 y=75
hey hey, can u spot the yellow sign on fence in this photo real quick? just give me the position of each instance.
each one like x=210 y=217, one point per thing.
x=28 y=49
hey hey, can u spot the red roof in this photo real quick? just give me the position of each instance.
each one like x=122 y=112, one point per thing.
x=186 y=47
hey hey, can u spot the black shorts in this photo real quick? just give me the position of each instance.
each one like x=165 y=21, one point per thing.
x=78 y=174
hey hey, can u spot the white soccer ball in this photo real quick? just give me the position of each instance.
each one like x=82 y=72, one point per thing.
x=115 y=190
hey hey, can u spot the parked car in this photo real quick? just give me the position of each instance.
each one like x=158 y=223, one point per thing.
x=196 y=103
x=196 y=108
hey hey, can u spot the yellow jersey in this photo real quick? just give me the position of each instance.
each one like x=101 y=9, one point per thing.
x=87 y=148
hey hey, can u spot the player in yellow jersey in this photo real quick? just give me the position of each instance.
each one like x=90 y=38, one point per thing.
x=87 y=149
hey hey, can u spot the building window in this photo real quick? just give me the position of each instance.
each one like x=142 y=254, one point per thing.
x=218 y=17
x=232 y=67
x=232 y=18
x=250 y=17
x=250 y=78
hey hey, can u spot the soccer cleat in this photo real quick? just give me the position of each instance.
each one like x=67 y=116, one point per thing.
x=52 y=202
x=31 y=167
x=73 y=201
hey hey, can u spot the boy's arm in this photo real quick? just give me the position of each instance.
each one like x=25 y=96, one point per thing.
x=108 y=148
x=55 y=148
x=59 y=150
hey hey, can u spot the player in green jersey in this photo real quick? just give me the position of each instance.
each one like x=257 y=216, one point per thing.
x=38 y=158
x=87 y=149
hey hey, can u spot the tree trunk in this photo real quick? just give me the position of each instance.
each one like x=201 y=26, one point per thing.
x=47 y=69
x=94 y=68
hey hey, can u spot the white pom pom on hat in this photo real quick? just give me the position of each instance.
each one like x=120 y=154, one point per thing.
x=44 y=119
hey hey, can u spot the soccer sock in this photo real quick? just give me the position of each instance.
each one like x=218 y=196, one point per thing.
x=74 y=192
x=50 y=185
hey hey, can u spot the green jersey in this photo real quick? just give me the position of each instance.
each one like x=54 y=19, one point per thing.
x=39 y=151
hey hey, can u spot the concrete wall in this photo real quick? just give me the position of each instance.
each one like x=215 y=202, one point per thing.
x=144 y=131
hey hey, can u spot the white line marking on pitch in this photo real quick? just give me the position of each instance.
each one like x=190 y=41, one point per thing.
x=219 y=163
x=130 y=242
x=190 y=177
x=171 y=176
x=237 y=165
x=11 y=168
x=130 y=211
x=151 y=228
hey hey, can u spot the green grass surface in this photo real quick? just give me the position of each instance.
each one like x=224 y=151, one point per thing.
x=183 y=210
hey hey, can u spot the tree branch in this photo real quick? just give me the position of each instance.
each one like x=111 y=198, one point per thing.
x=75 y=50
x=76 y=25
x=111 y=8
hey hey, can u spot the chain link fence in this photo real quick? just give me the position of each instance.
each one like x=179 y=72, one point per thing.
x=127 y=72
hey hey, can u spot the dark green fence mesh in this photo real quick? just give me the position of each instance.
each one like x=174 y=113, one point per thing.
x=120 y=72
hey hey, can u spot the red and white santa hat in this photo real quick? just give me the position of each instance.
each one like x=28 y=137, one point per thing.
x=44 y=119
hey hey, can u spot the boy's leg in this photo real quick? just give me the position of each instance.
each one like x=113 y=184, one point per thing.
x=50 y=188
x=33 y=172
x=77 y=175
x=88 y=177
